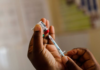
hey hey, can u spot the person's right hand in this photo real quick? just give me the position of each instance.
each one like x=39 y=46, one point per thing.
x=84 y=59
x=42 y=52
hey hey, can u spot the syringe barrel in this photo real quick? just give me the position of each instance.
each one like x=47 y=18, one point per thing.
x=58 y=48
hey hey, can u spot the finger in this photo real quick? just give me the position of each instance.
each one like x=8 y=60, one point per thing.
x=70 y=64
x=30 y=49
x=52 y=33
x=75 y=56
x=47 y=24
x=89 y=64
x=81 y=55
x=43 y=20
x=85 y=59
x=52 y=49
x=76 y=53
x=45 y=41
x=37 y=39
x=81 y=52
x=64 y=60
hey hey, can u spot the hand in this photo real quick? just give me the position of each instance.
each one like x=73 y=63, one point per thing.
x=42 y=53
x=84 y=59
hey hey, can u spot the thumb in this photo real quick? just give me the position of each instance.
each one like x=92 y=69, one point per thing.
x=37 y=39
x=70 y=64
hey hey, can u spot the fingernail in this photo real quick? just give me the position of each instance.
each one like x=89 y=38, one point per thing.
x=37 y=27
x=65 y=59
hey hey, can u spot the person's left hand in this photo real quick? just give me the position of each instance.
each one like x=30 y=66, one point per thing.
x=83 y=58
x=42 y=53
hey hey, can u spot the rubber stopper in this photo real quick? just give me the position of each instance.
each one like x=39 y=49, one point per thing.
x=47 y=31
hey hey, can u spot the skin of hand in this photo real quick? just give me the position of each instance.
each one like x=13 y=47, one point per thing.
x=84 y=59
x=42 y=53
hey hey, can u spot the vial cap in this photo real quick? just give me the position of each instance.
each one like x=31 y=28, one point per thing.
x=47 y=31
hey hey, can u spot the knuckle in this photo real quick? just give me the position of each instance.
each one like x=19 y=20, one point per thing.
x=82 y=49
x=86 y=49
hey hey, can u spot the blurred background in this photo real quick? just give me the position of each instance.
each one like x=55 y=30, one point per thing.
x=77 y=24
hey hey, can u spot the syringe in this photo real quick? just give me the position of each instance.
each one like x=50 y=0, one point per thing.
x=45 y=29
x=58 y=48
